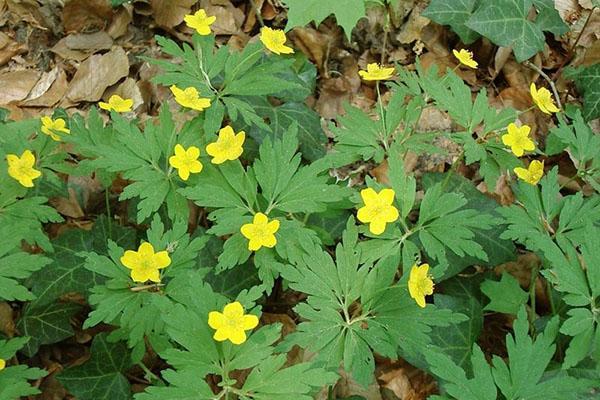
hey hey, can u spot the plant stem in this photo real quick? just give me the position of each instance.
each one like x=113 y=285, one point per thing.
x=382 y=116
x=257 y=12
x=108 y=214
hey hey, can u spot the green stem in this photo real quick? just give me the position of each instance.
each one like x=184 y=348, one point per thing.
x=148 y=373
x=534 y=275
x=108 y=214
x=382 y=116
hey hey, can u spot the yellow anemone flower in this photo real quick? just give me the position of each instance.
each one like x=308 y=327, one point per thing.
x=420 y=283
x=375 y=72
x=21 y=168
x=261 y=232
x=227 y=147
x=51 y=126
x=186 y=161
x=145 y=263
x=466 y=58
x=532 y=174
x=232 y=323
x=543 y=99
x=378 y=209
x=200 y=22
x=518 y=139
x=190 y=98
x=117 y=103
x=274 y=40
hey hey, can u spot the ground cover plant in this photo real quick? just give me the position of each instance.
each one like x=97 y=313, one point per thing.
x=248 y=222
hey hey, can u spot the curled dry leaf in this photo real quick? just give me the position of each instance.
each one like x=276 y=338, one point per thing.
x=229 y=18
x=16 y=85
x=86 y=16
x=9 y=48
x=169 y=14
x=79 y=46
x=52 y=96
x=96 y=74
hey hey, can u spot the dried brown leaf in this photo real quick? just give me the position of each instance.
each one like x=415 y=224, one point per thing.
x=16 y=85
x=169 y=14
x=96 y=74
x=86 y=16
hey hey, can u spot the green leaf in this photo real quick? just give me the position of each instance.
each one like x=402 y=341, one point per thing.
x=523 y=375
x=46 y=323
x=456 y=383
x=506 y=23
x=587 y=80
x=456 y=340
x=497 y=249
x=102 y=376
x=506 y=296
x=46 y=319
x=455 y=13
x=281 y=118
x=548 y=18
x=15 y=266
x=446 y=225
x=14 y=379
x=347 y=14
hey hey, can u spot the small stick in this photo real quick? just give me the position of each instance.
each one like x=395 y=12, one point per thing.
x=547 y=78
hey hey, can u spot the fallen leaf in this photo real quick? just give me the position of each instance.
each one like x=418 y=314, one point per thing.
x=79 y=46
x=229 y=18
x=7 y=322
x=52 y=96
x=411 y=30
x=96 y=74
x=120 y=22
x=86 y=16
x=67 y=206
x=9 y=48
x=16 y=85
x=169 y=14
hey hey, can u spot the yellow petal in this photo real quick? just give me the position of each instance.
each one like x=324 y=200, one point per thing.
x=369 y=196
x=162 y=259
x=139 y=275
x=216 y=320
x=237 y=336
x=260 y=219
x=28 y=158
x=130 y=259
x=389 y=214
x=249 y=322
x=247 y=230
x=221 y=334
x=184 y=173
x=269 y=241
x=254 y=244
x=273 y=226
x=154 y=276
x=377 y=227
x=233 y=310
x=2 y=364
x=146 y=250
x=193 y=152
x=387 y=196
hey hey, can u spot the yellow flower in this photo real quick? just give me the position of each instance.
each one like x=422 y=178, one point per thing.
x=21 y=168
x=274 y=40
x=227 y=147
x=145 y=263
x=231 y=324
x=466 y=58
x=190 y=98
x=375 y=72
x=260 y=232
x=117 y=103
x=200 y=22
x=2 y=364
x=186 y=161
x=378 y=209
x=518 y=139
x=50 y=127
x=533 y=174
x=420 y=283
x=543 y=99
